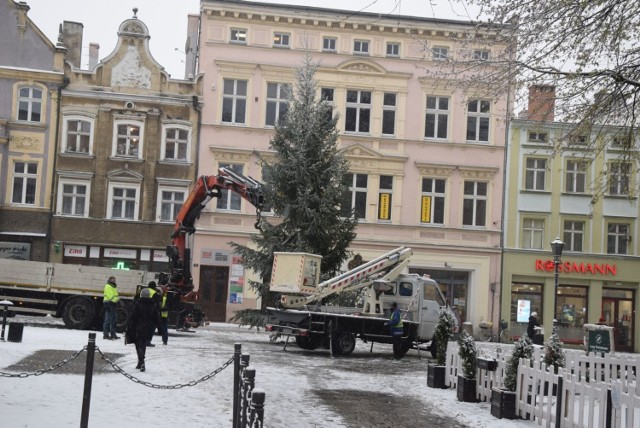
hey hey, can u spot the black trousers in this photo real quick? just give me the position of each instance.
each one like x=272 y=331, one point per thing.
x=141 y=349
x=397 y=346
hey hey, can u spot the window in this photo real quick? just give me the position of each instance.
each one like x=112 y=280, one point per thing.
x=361 y=47
x=238 y=35
x=123 y=201
x=437 y=118
x=30 y=104
x=572 y=307
x=478 y=114
x=439 y=52
x=481 y=55
x=621 y=142
x=355 y=199
x=329 y=44
x=277 y=102
x=128 y=139
x=573 y=235
x=175 y=144
x=618 y=238
x=358 y=111
x=327 y=95
x=535 y=174
x=170 y=202
x=230 y=200
x=234 y=101
x=389 y=113
x=524 y=295
x=385 y=197
x=78 y=136
x=474 y=206
x=538 y=137
x=578 y=140
x=619 y=176
x=73 y=197
x=405 y=289
x=281 y=40
x=576 y=177
x=532 y=233
x=432 y=204
x=393 y=49
x=25 y=177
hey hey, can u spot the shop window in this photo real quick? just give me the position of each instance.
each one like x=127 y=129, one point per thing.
x=572 y=304
x=525 y=299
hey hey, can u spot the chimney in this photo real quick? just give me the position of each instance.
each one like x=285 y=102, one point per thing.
x=72 y=39
x=191 y=46
x=542 y=103
x=23 y=8
x=94 y=52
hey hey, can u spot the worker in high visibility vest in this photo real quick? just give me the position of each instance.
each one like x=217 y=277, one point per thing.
x=164 y=316
x=109 y=302
x=397 y=329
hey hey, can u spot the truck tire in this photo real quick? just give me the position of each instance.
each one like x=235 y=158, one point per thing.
x=79 y=313
x=308 y=342
x=343 y=343
x=123 y=312
x=406 y=345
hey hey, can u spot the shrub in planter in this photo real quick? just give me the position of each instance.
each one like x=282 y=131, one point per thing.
x=466 y=387
x=503 y=401
x=553 y=353
x=442 y=334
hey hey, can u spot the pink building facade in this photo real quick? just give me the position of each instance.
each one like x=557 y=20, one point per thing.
x=426 y=158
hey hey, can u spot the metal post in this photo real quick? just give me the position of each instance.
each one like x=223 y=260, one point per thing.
x=257 y=408
x=559 y=409
x=248 y=383
x=236 y=382
x=556 y=262
x=88 y=377
x=6 y=305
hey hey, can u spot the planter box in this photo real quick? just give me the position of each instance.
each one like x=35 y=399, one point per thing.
x=503 y=404
x=436 y=376
x=486 y=364
x=466 y=390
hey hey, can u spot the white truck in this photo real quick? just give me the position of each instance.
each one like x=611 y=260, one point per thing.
x=73 y=292
x=296 y=277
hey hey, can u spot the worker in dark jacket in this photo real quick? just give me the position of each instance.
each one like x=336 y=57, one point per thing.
x=145 y=318
x=397 y=329
x=155 y=296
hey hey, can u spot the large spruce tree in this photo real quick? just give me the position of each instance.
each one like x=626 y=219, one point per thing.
x=303 y=186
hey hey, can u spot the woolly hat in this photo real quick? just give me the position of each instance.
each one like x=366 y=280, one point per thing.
x=145 y=293
x=152 y=284
x=394 y=305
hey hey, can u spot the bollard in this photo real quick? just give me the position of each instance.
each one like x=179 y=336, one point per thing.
x=257 y=408
x=88 y=377
x=248 y=383
x=6 y=304
x=237 y=350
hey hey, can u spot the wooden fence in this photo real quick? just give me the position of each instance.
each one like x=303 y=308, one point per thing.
x=590 y=391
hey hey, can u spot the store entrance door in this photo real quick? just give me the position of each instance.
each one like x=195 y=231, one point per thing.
x=618 y=313
x=214 y=282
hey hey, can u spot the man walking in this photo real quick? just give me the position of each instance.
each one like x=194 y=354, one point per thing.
x=109 y=303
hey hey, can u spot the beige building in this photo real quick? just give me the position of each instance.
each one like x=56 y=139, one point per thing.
x=426 y=157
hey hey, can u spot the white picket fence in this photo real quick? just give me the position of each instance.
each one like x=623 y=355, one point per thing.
x=596 y=391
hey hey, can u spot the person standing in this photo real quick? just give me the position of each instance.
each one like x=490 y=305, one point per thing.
x=153 y=290
x=531 y=328
x=397 y=329
x=145 y=318
x=164 y=316
x=109 y=303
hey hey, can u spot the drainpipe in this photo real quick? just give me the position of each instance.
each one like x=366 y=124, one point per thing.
x=65 y=83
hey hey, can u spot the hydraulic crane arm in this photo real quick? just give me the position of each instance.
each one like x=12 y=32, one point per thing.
x=205 y=189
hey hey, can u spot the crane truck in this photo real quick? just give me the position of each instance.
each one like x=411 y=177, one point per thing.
x=300 y=314
x=74 y=292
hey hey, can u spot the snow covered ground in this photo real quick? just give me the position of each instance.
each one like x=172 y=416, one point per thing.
x=291 y=380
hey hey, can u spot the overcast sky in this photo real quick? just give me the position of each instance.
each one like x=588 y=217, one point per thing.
x=167 y=20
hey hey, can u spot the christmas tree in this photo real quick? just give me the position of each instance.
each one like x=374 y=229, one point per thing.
x=522 y=349
x=553 y=353
x=442 y=334
x=467 y=352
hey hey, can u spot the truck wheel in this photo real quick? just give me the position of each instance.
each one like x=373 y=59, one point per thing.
x=123 y=312
x=343 y=343
x=303 y=342
x=79 y=313
x=406 y=345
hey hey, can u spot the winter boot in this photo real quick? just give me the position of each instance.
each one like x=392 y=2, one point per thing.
x=106 y=337
x=113 y=336
x=142 y=367
x=139 y=365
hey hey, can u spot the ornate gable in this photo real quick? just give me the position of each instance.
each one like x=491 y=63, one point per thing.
x=362 y=67
x=125 y=175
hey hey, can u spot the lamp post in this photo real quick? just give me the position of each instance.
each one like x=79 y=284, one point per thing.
x=556 y=248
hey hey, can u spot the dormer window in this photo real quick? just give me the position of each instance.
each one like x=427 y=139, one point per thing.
x=281 y=40
x=361 y=47
x=538 y=137
x=238 y=35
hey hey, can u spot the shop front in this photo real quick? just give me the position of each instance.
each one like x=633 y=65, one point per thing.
x=589 y=290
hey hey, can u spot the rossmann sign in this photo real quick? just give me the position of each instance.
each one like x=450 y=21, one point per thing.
x=604 y=269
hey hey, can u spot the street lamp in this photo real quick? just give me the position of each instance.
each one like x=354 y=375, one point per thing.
x=556 y=248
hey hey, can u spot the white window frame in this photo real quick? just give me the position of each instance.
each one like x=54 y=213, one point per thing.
x=538 y=137
x=480 y=117
x=439 y=53
x=573 y=234
x=534 y=172
x=481 y=54
x=280 y=102
x=394 y=47
x=175 y=126
x=359 y=108
x=174 y=203
x=128 y=123
x=26 y=179
x=62 y=181
x=325 y=90
x=227 y=198
x=281 y=40
x=31 y=101
x=65 y=133
x=576 y=177
x=477 y=200
x=361 y=47
x=113 y=185
x=235 y=97
x=436 y=198
x=533 y=233
x=355 y=191
x=438 y=115
x=389 y=109
x=329 y=44
x=619 y=179
x=621 y=238
x=238 y=35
